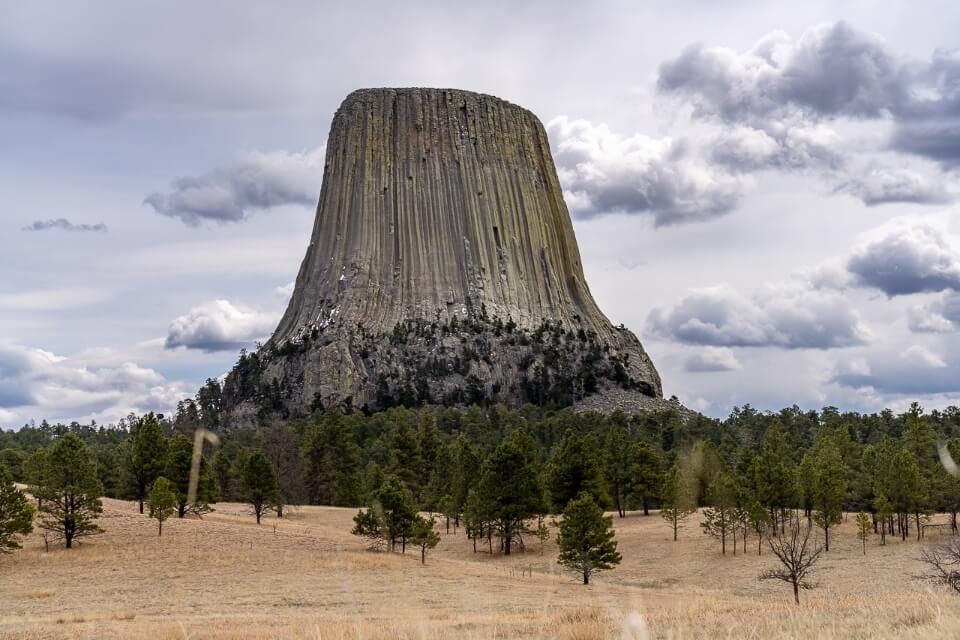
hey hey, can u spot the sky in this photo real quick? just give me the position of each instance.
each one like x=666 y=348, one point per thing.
x=765 y=193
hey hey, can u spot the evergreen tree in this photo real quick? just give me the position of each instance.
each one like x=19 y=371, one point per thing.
x=70 y=491
x=647 y=472
x=619 y=463
x=774 y=475
x=864 y=527
x=394 y=502
x=424 y=535
x=509 y=490
x=882 y=508
x=678 y=500
x=34 y=468
x=162 y=503
x=148 y=456
x=332 y=460
x=718 y=518
x=177 y=472
x=260 y=484
x=16 y=513
x=369 y=524
x=829 y=488
x=576 y=467
x=586 y=538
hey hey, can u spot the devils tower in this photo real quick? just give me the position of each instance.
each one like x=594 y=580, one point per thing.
x=442 y=268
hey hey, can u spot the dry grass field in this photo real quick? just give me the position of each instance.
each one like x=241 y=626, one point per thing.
x=307 y=577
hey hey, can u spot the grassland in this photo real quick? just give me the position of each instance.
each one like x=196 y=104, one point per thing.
x=305 y=577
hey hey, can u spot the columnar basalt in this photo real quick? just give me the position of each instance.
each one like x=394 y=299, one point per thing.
x=442 y=267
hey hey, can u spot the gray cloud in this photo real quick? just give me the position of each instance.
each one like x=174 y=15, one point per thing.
x=605 y=172
x=258 y=181
x=220 y=326
x=938 y=140
x=882 y=186
x=939 y=316
x=62 y=224
x=830 y=70
x=66 y=387
x=913 y=371
x=775 y=146
x=787 y=316
x=906 y=257
x=712 y=359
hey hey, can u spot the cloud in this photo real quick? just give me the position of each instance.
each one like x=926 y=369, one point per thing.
x=62 y=224
x=286 y=290
x=904 y=257
x=913 y=371
x=940 y=316
x=258 y=181
x=712 y=359
x=606 y=172
x=745 y=148
x=938 y=140
x=784 y=316
x=75 y=387
x=882 y=186
x=52 y=299
x=219 y=325
x=830 y=70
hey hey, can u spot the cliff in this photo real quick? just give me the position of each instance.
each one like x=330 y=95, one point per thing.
x=442 y=267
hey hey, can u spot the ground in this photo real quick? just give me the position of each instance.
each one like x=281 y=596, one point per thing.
x=306 y=577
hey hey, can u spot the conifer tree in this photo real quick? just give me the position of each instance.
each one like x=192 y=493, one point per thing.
x=510 y=491
x=424 y=535
x=369 y=524
x=177 y=471
x=394 y=503
x=33 y=469
x=148 y=456
x=829 y=487
x=884 y=511
x=864 y=527
x=16 y=513
x=260 y=484
x=619 y=463
x=718 y=518
x=586 y=539
x=577 y=466
x=162 y=502
x=677 y=501
x=70 y=491
x=647 y=472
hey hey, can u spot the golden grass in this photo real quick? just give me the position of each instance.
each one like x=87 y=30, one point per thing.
x=306 y=577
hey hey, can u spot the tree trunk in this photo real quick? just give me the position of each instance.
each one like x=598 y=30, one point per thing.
x=159 y=527
x=676 y=522
x=646 y=510
x=796 y=593
x=423 y=555
x=826 y=536
x=586 y=576
x=141 y=505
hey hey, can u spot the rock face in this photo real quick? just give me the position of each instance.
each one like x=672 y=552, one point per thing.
x=442 y=267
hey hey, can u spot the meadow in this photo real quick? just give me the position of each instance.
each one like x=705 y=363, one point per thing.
x=305 y=576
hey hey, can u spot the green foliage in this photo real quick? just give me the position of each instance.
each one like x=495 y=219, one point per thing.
x=829 y=487
x=577 y=467
x=148 y=456
x=369 y=524
x=678 y=499
x=586 y=538
x=260 y=485
x=718 y=519
x=510 y=491
x=13 y=460
x=395 y=507
x=162 y=503
x=332 y=462
x=647 y=473
x=69 y=491
x=424 y=535
x=864 y=529
x=16 y=513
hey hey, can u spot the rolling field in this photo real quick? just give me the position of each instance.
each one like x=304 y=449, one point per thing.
x=306 y=577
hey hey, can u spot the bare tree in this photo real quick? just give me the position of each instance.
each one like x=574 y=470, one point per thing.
x=944 y=563
x=797 y=556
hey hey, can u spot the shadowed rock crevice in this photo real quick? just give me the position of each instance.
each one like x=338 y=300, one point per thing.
x=439 y=208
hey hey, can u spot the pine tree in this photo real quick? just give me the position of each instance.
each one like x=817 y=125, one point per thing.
x=16 y=513
x=332 y=459
x=647 y=472
x=718 y=518
x=369 y=524
x=577 y=466
x=884 y=511
x=678 y=500
x=394 y=503
x=424 y=535
x=162 y=503
x=586 y=539
x=619 y=462
x=864 y=527
x=260 y=484
x=70 y=491
x=774 y=474
x=510 y=491
x=148 y=456
x=33 y=469
x=177 y=471
x=829 y=487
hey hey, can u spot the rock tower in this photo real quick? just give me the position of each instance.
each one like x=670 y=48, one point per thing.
x=442 y=268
